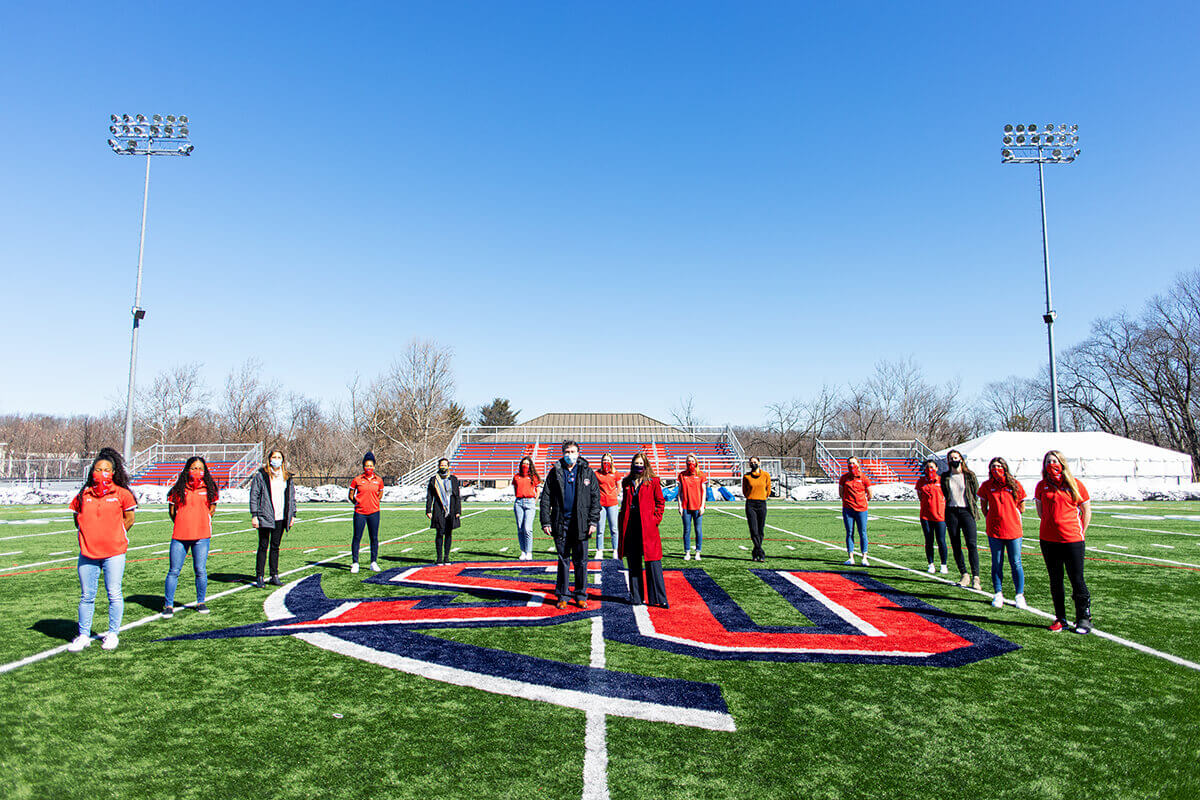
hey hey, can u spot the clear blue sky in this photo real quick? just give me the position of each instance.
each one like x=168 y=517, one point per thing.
x=598 y=206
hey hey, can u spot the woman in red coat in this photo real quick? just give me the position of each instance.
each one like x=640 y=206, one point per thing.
x=642 y=507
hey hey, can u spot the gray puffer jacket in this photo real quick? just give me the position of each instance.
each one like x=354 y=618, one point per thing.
x=261 y=507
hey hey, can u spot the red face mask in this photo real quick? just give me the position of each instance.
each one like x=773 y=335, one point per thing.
x=854 y=470
x=195 y=481
x=691 y=467
x=998 y=475
x=606 y=467
x=931 y=472
x=524 y=469
x=1054 y=471
x=369 y=470
x=101 y=481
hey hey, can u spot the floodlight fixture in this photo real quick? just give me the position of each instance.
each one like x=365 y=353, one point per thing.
x=139 y=137
x=1047 y=147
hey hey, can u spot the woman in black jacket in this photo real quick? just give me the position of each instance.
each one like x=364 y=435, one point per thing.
x=443 y=506
x=272 y=511
x=960 y=487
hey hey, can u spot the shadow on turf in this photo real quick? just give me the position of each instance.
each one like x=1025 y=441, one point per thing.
x=150 y=602
x=230 y=577
x=64 y=629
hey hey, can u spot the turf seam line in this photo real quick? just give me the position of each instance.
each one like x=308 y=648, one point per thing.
x=1183 y=662
x=595 y=739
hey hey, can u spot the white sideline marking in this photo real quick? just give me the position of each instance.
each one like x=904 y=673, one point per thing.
x=595 y=737
x=789 y=547
x=315 y=549
x=218 y=550
x=1147 y=530
x=885 y=546
x=60 y=553
x=156 y=552
x=502 y=549
x=455 y=549
x=137 y=623
x=1144 y=558
x=13 y=553
x=1095 y=631
x=1163 y=546
x=405 y=550
x=743 y=547
x=1121 y=546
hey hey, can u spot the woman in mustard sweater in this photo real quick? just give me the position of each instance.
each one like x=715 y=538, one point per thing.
x=756 y=488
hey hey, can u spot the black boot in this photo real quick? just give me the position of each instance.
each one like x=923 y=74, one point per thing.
x=275 y=581
x=258 y=582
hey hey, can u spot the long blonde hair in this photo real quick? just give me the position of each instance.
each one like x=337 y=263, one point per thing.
x=283 y=468
x=1068 y=479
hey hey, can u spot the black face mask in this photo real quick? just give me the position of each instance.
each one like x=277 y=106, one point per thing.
x=754 y=467
x=637 y=469
x=443 y=470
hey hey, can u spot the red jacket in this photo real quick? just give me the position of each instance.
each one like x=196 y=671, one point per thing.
x=651 y=505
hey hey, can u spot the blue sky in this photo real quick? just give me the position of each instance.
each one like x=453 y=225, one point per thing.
x=598 y=206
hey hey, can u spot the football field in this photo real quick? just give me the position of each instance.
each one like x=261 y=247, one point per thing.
x=799 y=677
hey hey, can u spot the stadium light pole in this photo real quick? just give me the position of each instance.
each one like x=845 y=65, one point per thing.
x=136 y=136
x=1027 y=144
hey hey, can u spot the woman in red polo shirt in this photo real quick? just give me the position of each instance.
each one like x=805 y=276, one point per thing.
x=104 y=510
x=693 y=485
x=525 y=487
x=1003 y=499
x=365 y=492
x=191 y=504
x=642 y=507
x=1065 y=509
x=610 y=504
x=855 y=490
x=933 y=512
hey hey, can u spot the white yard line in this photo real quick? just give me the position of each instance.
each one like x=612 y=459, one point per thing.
x=138 y=623
x=1096 y=631
x=1144 y=558
x=595 y=738
x=1163 y=546
x=1145 y=530
x=13 y=553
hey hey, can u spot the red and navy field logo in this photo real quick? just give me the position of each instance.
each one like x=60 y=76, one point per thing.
x=850 y=617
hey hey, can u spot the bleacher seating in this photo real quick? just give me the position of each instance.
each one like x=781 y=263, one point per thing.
x=498 y=461
x=879 y=470
x=164 y=473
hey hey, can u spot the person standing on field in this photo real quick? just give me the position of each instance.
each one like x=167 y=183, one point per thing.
x=191 y=503
x=104 y=511
x=933 y=513
x=610 y=504
x=1065 y=509
x=366 y=491
x=525 y=491
x=272 y=511
x=756 y=488
x=443 y=507
x=693 y=493
x=570 y=511
x=961 y=490
x=642 y=507
x=854 y=488
x=1003 y=499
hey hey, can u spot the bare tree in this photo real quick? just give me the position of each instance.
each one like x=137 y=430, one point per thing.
x=685 y=414
x=248 y=404
x=168 y=408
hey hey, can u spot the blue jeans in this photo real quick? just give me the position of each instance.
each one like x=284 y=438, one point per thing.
x=1013 y=548
x=113 y=568
x=850 y=519
x=179 y=550
x=523 y=510
x=934 y=528
x=610 y=515
x=693 y=519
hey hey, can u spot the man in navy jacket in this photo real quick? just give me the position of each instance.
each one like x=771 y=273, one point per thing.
x=570 y=512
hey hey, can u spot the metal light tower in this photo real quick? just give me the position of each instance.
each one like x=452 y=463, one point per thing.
x=137 y=136
x=1026 y=144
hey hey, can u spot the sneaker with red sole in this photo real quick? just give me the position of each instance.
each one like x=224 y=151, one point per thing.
x=1057 y=626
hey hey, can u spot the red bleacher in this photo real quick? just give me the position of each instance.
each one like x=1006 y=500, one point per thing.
x=498 y=461
x=164 y=473
x=879 y=470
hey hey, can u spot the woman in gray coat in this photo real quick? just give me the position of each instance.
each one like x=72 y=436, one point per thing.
x=272 y=512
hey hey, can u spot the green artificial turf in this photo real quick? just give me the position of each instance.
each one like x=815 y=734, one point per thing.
x=1065 y=716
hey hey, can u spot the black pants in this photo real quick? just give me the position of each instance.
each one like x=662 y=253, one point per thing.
x=1070 y=555
x=571 y=551
x=442 y=536
x=960 y=520
x=272 y=537
x=646 y=581
x=756 y=518
x=371 y=523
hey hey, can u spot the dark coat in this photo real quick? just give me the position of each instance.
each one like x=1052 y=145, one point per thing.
x=587 y=501
x=972 y=490
x=651 y=506
x=437 y=507
x=261 y=507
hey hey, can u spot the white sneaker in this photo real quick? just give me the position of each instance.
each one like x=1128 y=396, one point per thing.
x=849 y=562
x=865 y=563
x=526 y=556
x=687 y=556
x=697 y=555
x=374 y=567
x=943 y=570
x=932 y=569
x=79 y=642
x=354 y=567
x=599 y=553
x=998 y=600
x=109 y=641
x=1020 y=601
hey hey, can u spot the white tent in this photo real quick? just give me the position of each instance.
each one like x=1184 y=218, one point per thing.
x=1091 y=455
